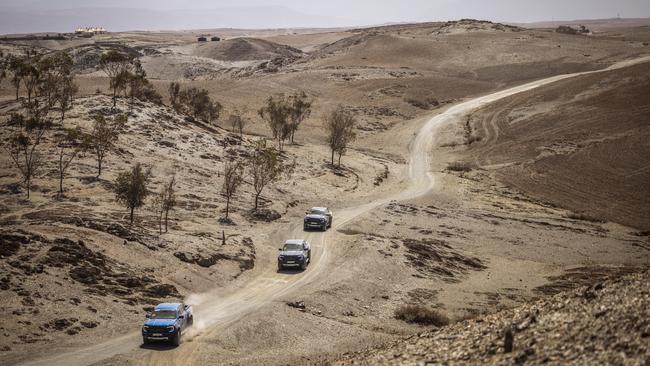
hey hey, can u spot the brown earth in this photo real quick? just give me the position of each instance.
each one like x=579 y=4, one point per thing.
x=464 y=243
x=581 y=144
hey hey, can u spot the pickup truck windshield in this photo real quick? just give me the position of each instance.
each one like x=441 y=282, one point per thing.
x=318 y=212
x=292 y=247
x=163 y=314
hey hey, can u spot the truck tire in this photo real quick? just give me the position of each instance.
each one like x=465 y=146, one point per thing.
x=145 y=341
x=303 y=266
x=280 y=267
x=190 y=321
x=324 y=227
x=176 y=341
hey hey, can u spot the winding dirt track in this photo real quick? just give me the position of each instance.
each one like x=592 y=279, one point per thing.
x=213 y=311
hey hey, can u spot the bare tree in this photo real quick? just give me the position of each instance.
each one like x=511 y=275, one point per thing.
x=131 y=188
x=174 y=95
x=265 y=166
x=4 y=64
x=276 y=112
x=116 y=65
x=340 y=126
x=56 y=75
x=16 y=66
x=23 y=146
x=233 y=177
x=165 y=201
x=300 y=107
x=32 y=77
x=65 y=94
x=237 y=121
x=103 y=137
x=70 y=146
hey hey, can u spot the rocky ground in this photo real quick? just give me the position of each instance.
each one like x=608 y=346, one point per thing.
x=603 y=324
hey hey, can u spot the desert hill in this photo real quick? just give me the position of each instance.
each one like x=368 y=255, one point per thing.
x=605 y=323
x=245 y=49
x=579 y=144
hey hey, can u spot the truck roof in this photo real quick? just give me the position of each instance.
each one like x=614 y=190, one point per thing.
x=168 y=306
x=319 y=208
x=294 y=241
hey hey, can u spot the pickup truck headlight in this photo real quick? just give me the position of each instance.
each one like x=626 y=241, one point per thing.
x=281 y=257
x=145 y=328
x=171 y=328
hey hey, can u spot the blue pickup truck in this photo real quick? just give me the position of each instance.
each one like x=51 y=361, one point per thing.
x=167 y=322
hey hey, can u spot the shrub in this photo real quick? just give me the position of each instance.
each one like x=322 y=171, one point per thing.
x=459 y=166
x=583 y=216
x=420 y=314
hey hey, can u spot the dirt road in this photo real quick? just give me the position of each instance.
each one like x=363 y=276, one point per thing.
x=216 y=310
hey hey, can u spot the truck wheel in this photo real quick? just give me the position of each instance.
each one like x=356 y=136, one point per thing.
x=190 y=321
x=303 y=266
x=145 y=341
x=280 y=267
x=324 y=227
x=176 y=341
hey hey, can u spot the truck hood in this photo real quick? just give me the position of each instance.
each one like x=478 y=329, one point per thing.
x=316 y=216
x=292 y=252
x=160 y=322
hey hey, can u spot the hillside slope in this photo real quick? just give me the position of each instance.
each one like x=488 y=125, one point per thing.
x=604 y=324
x=582 y=144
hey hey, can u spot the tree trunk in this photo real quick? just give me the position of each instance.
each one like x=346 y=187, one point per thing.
x=227 y=206
x=257 y=196
x=223 y=237
x=61 y=173
x=99 y=167
x=160 y=218
x=131 y=217
x=166 y=218
x=28 y=184
x=17 y=90
x=340 y=159
x=332 y=160
x=62 y=114
x=114 y=97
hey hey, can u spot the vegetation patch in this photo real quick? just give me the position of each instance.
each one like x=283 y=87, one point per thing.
x=420 y=314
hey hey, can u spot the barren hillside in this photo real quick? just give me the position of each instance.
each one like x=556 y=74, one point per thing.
x=581 y=144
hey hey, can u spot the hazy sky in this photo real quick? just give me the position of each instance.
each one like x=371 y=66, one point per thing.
x=38 y=15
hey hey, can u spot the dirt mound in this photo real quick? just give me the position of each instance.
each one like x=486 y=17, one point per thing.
x=473 y=25
x=599 y=325
x=86 y=57
x=245 y=49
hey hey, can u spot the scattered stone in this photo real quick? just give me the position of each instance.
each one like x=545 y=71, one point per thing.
x=297 y=304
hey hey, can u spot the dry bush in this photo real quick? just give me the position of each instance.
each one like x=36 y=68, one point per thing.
x=583 y=216
x=420 y=314
x=422 y=103
x=459 y=166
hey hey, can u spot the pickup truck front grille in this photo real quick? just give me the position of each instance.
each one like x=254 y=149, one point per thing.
x=158 y=329
x=291 y=258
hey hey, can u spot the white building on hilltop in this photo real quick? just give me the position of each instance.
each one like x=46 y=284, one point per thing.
x=90 y=30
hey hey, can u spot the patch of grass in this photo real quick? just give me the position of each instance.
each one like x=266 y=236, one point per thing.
x=459 y=166
x=423 y=103
x=420 y=314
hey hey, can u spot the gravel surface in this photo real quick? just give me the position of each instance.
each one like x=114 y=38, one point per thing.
x=604 y=324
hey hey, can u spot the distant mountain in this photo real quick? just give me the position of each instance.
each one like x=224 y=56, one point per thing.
x=32 y=20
